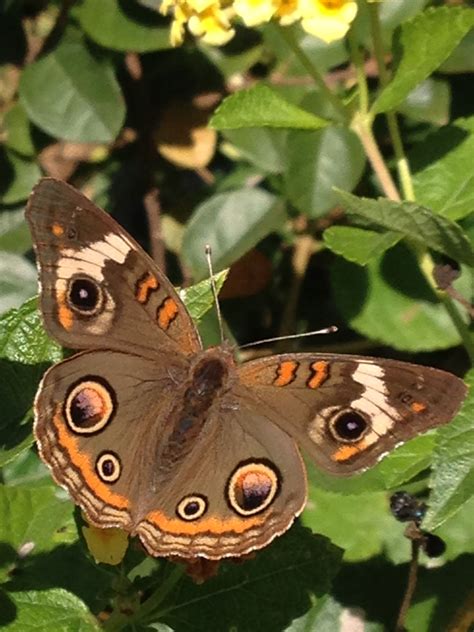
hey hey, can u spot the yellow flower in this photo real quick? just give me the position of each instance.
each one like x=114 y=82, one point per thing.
x=204 y=19
x=287 y=11
x=254 y=12
x=106 y=545
x=211 y=25
x=327 y=19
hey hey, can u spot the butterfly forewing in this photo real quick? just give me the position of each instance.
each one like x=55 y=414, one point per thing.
x=98 y=287
x=347 y=412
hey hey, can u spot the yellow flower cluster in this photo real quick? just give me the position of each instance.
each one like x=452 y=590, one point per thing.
x=211 y=20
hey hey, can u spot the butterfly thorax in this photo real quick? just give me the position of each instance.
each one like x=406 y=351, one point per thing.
x=207 y=381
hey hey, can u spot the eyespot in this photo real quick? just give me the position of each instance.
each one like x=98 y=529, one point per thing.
x=108 y=467
x=252 y=487
x=192 y=507
x=85 y=295
x=348 y=426
x=89 y=406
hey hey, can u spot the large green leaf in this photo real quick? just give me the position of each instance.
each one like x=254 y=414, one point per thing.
x=18 y=175
x=48 y=610
x=14 y=233
x=33 y=517
x=18 y=131
x=123 y=25
x=262 y=107
x=452 y=479
x=390 y=301
x=426 y=41
x=416 y=223
x=264 y=147
x=25 y=353
x=277 y=586
x=318 y=162
x=359 y=245
x=441 y=183
x=18 y=280
x=72 y=94
x=232 y=223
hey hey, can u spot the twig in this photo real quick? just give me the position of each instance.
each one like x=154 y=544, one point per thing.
x=151 y=202
x=411 y=585
x=304 y=248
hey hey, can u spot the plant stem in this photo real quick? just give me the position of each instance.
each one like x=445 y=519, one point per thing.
x=156 y=599
x=403 y=166
x=410 y=589
x=362 y=128
x=289 y=37
x=358 y=61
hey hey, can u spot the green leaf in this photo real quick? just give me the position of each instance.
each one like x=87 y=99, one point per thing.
x=358 y=245
x=414 y=222
x=232 y=223
x=262 y=107
x=390 y=301
x=462 y=58
x=407 y=461
x=123 y=25
x=33 y=517
x=23 y=338
x=430 y=101
x=14 y=233
x=318 y=162
x=426 y=41
x=25 y=353
x=440 y=182
x=199 y=298
x=262 y=146
x=18 y=130
x=18 y=280
x=18 y=175
x=347 y=519
x=47 y=610
x=72 y=94
x=277 y=586
x=452 y=478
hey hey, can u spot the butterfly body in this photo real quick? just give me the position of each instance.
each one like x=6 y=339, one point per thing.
x=193 y=452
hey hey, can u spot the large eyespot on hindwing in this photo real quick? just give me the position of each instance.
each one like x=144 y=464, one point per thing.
x=192 y=507
x=108 y=466
x=90 y=405
x=253 y=486
x=348 y=426
x=85 y=295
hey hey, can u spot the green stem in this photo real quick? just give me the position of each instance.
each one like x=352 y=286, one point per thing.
x=358 y=61
x=155 y=600
x=118 y=621
x=403 y=167
x=288 y=35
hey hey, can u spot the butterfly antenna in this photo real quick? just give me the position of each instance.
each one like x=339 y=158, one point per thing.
x=208 y=251
x=326 y=330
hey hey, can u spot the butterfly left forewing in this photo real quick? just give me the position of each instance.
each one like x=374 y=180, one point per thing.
x=98 y=287
x=346 y=412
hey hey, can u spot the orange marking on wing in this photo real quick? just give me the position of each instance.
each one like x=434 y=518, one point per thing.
x=147 y=284
x=345 y=452
x=212 y=525
x=418 y=407
x=167 y=312
x=65 y=315
x=58 y=230
x=83 y=463
x=320 y=371
x=286 y=373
